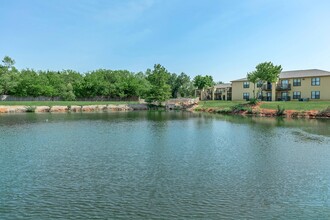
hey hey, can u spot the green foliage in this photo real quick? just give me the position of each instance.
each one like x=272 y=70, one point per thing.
x=239 y=108
x=30 y=109
x=280 y=110
x=266 y=72
x=160 y=89
x=154 y=85
x=253 y=101
x=8 y=62
x=180 y=85
x=249 y=110
x=202 y=82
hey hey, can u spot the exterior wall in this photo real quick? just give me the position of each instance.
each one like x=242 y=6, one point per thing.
x=306 y=88
x=238 y=90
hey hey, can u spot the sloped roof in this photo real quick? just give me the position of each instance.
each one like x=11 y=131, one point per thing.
x=239 y=80
x=303 y=73
x=224 y=85
x=296 y=74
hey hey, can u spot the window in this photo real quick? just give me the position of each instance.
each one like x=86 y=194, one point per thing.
x=315 y=95
x=246 y=84
x=285 y=84
x=315 y=81
x=284 y=95
x=259 y=84
x=296 y=95
x=296 y=82
x=246 y=95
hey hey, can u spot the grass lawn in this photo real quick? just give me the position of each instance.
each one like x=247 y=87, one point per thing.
x=292 y=105
x=218 y=104
x=63 y=103
x=299 y=106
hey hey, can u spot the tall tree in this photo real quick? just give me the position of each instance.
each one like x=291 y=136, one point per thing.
x=160 y=89
x=8 y=76
x=202 y=82
x=265 y=72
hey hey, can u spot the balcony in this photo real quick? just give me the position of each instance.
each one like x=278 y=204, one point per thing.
x=284 y=98
x=281 y=87
x=267 y=87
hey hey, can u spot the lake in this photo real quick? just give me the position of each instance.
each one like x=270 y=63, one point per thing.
x=163 y=165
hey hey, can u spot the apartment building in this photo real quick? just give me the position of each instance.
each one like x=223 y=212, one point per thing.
x=300 y=85
x=217 y=92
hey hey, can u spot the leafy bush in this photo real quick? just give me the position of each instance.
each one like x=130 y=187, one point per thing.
x=253 y=101
x=324 y=113
x=280 y=110
x=249 y=110
x=30 y=109
x=238 y=108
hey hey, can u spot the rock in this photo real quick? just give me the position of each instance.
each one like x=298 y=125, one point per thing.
x=76 y=108
x=59 y=109
x=42 y=109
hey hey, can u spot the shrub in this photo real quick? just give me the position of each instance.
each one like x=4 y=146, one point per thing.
x=249 y=110
x=324 y=113
x=238 y=108
x=280 y=110
x=253 y=101
x=30 y=109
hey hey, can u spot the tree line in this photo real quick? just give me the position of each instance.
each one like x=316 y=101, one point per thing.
x=156 y=84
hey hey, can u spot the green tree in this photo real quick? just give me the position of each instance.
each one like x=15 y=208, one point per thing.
x=160 y=90
x=8 y=62
x=8 y=76
x=265 y=72
x=202 y=82
x=67 y=94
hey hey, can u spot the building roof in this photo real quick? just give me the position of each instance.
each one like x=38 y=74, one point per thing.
x=303 y=73
x=296 y=74
x=224 y=85
x=239 y=80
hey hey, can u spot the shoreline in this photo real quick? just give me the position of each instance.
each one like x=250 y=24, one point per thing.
x=71 y=108
x=255 y=111
x=270 y=113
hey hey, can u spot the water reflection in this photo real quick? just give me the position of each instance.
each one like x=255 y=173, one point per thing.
x=163 y=165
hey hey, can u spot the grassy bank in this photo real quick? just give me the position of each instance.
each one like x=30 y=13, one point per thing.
x=292 y=105
x=297 y=106
x=63 y=103
x=218 y=104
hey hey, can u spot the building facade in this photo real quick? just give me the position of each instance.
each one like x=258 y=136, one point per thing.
x=217 y=92
x=296 y=85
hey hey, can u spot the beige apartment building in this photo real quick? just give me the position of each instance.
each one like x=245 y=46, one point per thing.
x=217 y=92
x=296 y=85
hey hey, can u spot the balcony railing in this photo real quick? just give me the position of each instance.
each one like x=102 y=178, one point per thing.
x=283 y=87
x=265 y=98
x=284 y=98
x=267 y=87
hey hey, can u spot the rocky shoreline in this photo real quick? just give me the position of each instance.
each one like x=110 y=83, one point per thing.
x=73 y=108
x=255 y=111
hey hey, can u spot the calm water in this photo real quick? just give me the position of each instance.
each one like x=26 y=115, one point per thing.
x=152 y=165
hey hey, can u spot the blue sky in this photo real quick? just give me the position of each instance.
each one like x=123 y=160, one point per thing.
x=222 y=38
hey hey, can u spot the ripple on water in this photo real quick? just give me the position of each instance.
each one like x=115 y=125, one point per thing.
x=160 y=166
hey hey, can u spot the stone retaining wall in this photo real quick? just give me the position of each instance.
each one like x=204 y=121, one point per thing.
x=74 y=108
